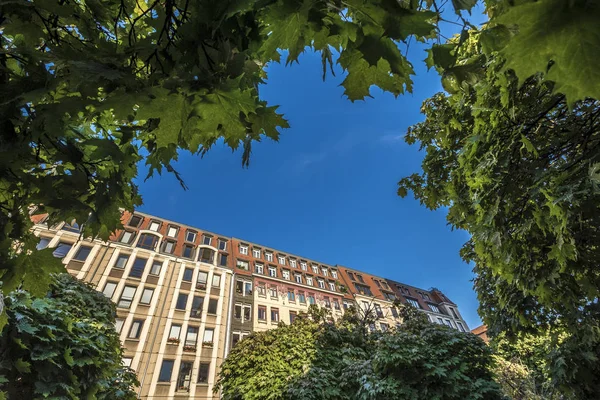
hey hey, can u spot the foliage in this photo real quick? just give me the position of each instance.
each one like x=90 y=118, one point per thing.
x=63 y=345
x=93 y=88
x=518 y=169
x=316 y=359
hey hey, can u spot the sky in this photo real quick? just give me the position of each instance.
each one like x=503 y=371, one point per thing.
x=327 y=190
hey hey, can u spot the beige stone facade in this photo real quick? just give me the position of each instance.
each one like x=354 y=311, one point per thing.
x=185 y=296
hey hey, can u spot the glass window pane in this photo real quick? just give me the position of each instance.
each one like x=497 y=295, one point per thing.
x=42 y=244
x=181 y=301
x=109 y=289
x=203 y=372
x=216 y=280
x=197 y=303
x=61 y=250
x=155 y=270
x=166 y=370
x=137 y=269
x=187 y=274
x=146 y=296
x=208 y=335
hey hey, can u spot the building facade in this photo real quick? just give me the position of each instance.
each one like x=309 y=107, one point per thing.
x=186 y=296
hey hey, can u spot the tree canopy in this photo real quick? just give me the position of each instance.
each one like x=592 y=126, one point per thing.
x=63 y=346
x=91 y=89
x=314 y=358
x=517 y=167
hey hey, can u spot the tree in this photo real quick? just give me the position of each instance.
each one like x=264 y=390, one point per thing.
x=63 y=346
x=316 y=359
x=517 y=168
x=91 y=89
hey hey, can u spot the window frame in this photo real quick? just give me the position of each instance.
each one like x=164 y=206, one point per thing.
x=146 y=289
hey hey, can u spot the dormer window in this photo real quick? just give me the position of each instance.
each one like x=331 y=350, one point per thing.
x=147 y=241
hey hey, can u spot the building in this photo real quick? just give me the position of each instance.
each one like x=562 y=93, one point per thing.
x=185 y=296
x=481 y=331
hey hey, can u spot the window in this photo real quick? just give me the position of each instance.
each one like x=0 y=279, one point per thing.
x=274 y=314
x=334 y=274
x=273 y=272
x=126 y=297
x=453 y=312
x=136 y=329
x=147 y=241
x=206 y=255
x=223 y=259
x=394 y=312
x=181 y=301
x=243 y=288
x=384 y=327
x=325 y=271
x=243 y=265
x=154 y=226
x=244 y=250
x=201 y=281
x=385 y=285
x=187 y=251
x=262 y=313
x=362 y=289
x=281 y=260
x=109 y=289
x=327 y=302
x=216 y=280
x=315 y=269
x=206 y=240
x=377 y=283
x=293 y=263
x=222 y=245
x=336 y=304
x=137 y=270
x=433 y=308
x=243 y=312
x=351 y=275
x=127 y=361
x=309 y=280
x=197 y=303
x=269 y=256
x=121 y=261
x=298 y=278
x=273 y=291
x=360 y=278
x=311 y=298
x=135 y=221
x=301 y=297
x=175 y=332
x=321 y=283
x=146 y=296
x=119 y=324
x=365 y=305
x=190 y=236
x=261 y=289
x=169 y=247
x=62 y=249
x=389 y=296
x=155 y=269
x=378 y=311
x=185 y=377
x=460 y=327
x=259 y=268
x=191 y=336
x=346 y=305
x=332 y=286
x=82 y=253
x=166 y=370
x=127 y=237
x=203 y=372
x=208 y=335
x=303 y=265
x=212 y=306
x=440 y=321
x=448 y=323
x=256 y=253
x=44 y=242
x=293 y=316
x=286 y=274
x=413 y=302
x=425 y=296
x=172 y=231
x=291 y=295
x=187 y=275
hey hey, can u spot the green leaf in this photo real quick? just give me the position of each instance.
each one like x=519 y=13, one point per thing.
x=22 y=366
x=558 y=38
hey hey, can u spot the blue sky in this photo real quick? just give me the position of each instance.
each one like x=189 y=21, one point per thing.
x=327 y=189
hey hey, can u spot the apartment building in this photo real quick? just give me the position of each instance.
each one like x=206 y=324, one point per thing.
x=186 y=296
